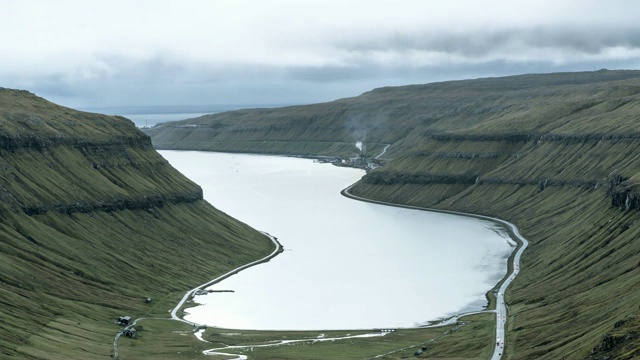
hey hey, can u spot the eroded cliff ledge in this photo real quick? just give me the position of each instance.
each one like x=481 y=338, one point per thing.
x=92 y=221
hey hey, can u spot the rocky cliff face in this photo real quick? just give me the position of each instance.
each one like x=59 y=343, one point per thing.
x=36 y=147
x=625 y=193
x=92 y=221
x=618 y=343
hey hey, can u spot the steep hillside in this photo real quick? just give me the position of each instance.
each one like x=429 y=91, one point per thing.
x=557 y=154
x=403 y=116
x=92 y=222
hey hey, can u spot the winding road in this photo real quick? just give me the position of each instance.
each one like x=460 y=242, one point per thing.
x=189 y=294
x=320 y=338
x=501 y=307
x=500 y=311
x=383 y=151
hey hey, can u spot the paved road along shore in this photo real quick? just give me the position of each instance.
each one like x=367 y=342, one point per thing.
x=501 y=307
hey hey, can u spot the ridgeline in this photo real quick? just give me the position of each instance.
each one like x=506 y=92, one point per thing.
x=92 y=222
x=555 y=154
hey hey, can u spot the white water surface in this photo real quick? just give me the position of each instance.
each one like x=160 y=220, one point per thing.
x=149 y=116
x=348 y=264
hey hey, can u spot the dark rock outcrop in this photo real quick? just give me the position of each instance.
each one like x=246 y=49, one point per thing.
x=109 y=205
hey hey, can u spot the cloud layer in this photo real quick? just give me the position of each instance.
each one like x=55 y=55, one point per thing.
x=118 y=53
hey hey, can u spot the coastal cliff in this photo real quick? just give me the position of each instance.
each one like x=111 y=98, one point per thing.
x=93 y=221
x=556 y=154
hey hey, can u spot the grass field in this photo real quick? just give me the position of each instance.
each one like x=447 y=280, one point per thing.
x=472 y=338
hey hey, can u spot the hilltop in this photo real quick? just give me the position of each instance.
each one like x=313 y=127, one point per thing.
x=92 y=222
x=556 y=154
x=402 y=116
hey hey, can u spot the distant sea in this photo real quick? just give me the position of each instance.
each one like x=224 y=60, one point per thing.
x=149 y=116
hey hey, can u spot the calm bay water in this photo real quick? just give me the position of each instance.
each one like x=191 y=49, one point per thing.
x=149 y=116
x=348 y=264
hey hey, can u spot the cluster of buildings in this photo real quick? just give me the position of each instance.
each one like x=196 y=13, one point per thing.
x=360 y=160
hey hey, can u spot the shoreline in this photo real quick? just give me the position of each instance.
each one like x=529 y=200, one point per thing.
x=500 y=287
x=495 y=294
x=279 y=249
x=190 y=293
x=511 y=229
x=490 y=295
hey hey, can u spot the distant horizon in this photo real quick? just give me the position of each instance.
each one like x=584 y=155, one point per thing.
x=151 y=115
x=220 y=107
x=178 y=109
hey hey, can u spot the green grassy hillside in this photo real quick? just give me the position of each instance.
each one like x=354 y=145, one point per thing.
x=92 y=222
x=556 y=154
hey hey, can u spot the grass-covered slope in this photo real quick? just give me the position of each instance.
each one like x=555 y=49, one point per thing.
x=402 y=116
x=557 y=154
x=92 y=222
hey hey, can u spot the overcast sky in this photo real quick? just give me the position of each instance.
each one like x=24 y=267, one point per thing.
x=92 y=53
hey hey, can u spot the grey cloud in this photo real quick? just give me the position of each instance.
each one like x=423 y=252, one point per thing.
x=584 y=39
x=590 y=40
x=329 y=74
x=379 y=75
x=167 y=80
x=285 y=86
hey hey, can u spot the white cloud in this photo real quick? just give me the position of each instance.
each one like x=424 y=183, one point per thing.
x=290 y=49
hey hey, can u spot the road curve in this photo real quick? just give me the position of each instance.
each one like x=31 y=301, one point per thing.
x=188 y=294
x=284 y=342
x=383 y=151
x=501 y=308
